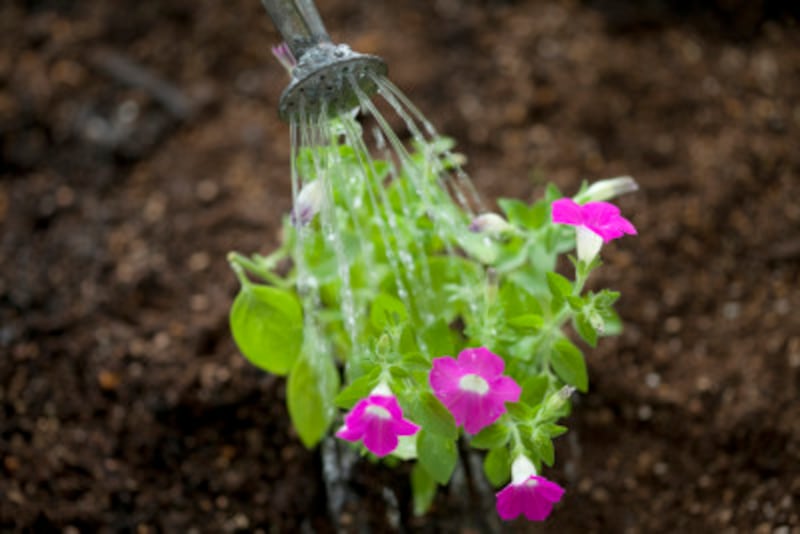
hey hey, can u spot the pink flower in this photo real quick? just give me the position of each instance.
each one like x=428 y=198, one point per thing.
x=527 y=494
x=377 y=420
x=596 y=223
x=473 y=387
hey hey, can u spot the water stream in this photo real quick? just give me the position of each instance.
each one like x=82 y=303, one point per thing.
x=387 y=204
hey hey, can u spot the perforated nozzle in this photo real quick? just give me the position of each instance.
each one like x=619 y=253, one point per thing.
x=323 y=79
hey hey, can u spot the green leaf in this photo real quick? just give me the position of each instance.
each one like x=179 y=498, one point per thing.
x=310 y=391
x=479 y=247
x=529 y=320
x=426 y=410
x=491 y=437
x=423 y=488
x=516 y=211
x=539 y=213
x=543 y=447
x=612 y=323
x=358 y=389
x=559 y=286
x=520 y=411
x=497 y=466
x=585 y=329
x=534 y=389
x=415 y=361
x=552 y=193
x=267 y=325
x=606 y=298
x=437 y=454
x=569 y=365
x=387 y=311
x=553 y=430
x=439 y=338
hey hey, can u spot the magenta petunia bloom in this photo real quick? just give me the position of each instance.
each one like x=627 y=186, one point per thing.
x=377 y=420
x=596 y=223
x=473 y=387
x=528 y=493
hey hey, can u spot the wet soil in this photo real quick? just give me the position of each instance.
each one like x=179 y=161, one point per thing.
x=140 y=143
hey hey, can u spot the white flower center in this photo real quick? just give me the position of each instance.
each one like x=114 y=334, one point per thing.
x=473 y=383
x=378 y=411
x=531 y=483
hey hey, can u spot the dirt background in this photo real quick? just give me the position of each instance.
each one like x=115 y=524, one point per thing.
x=140 y=143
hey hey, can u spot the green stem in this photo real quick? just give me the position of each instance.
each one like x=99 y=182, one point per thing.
x=240 y=263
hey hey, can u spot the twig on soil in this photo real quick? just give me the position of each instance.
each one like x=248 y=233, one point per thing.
x=128 y=72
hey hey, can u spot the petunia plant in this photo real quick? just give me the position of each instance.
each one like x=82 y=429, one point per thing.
x=407 y=322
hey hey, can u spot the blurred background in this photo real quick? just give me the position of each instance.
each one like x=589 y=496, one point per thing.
x=140 y=143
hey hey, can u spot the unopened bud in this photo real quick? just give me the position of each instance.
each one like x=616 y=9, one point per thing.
x=308 y=203
x=491 y=224
x=556 y=401
x=608 y=189
x=284 y=55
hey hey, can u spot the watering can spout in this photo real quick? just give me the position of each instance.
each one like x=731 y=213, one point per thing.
x=327 y=79
x=299 y=24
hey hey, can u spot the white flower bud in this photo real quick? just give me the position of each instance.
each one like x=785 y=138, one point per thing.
x=490 y=223
x=309 y=202
x=607 y=189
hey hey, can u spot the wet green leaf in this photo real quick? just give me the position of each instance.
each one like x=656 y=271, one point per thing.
x=310 y=394
x=426 y=410
x=387 y=311
x=359 y=389
x=423 y=489
x=437 y=454
x=267 y=326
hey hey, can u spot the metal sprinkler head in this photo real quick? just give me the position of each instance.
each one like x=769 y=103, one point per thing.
x=327 y=77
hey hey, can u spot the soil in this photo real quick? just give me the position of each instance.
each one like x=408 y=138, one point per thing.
x=140 y=143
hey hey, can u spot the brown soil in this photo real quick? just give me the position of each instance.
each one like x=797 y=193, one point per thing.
x=125 y=406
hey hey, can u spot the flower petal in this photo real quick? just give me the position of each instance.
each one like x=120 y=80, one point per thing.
x=508 y=503
x=548 y=490
x=349 y=434
x=404 y=427
x=567 y=211
x=444 y=376
x=387 y=402
x=379 y=438
x=535 y=508
x=355 y=419
x=505 y=389
x=482 y=362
